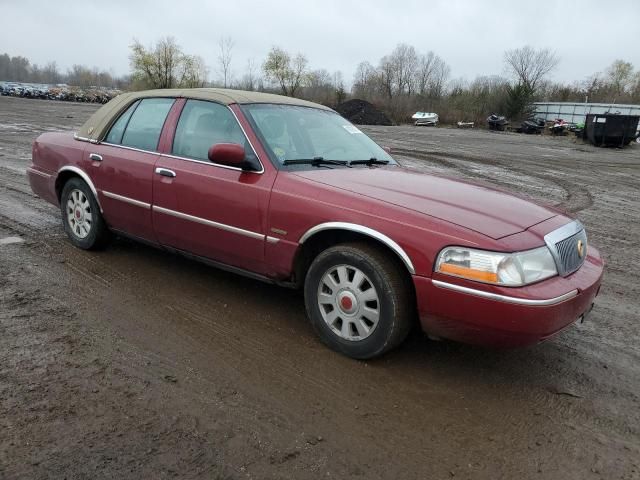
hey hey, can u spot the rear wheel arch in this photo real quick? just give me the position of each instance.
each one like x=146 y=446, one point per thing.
x=81 y=216
x=68 y=172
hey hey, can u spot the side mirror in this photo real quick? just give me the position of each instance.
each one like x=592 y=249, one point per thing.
x=387 y=149
x=230 y=154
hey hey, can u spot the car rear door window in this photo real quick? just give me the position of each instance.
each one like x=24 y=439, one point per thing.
x=144 y=126
x=203 y=124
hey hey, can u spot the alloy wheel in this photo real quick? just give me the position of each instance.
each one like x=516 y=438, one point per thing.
x=79 y=216
x=349 y=302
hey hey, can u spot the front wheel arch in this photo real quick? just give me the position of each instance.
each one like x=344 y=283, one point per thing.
x=363 y=231
x=324 y=239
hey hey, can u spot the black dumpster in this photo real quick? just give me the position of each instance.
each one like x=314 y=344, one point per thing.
x=610 y=129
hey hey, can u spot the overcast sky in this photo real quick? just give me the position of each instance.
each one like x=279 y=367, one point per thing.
x=470 y=36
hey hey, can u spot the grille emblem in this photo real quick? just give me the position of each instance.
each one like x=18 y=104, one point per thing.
x=580 y=247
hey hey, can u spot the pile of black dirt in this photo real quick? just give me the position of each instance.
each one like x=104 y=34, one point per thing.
x=362 y=112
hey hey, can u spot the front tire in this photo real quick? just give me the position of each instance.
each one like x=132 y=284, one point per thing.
x=81 y=217
x=358 y=300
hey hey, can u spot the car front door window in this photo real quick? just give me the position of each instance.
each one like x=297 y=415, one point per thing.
x=203 y=124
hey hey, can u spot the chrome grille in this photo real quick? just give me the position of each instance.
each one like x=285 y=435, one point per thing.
x=564 y=244
x=568 y=252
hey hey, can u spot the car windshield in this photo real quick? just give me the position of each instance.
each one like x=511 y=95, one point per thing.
x=293 y=133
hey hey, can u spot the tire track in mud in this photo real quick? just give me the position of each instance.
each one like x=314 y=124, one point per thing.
x=577 y=197
x=98 y=273
x=26 y=215
x=12 y=180
x=263 y=373
x=194 y=328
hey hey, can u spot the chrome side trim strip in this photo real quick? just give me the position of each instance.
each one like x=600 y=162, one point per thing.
x=84 y=139
x=130 y=148
x=228 y=167
x=272 y=239
x=365 y=231
x=38 y=172
x=85 y=177
x=505 y=298
x=209 y=223
x=132 y=201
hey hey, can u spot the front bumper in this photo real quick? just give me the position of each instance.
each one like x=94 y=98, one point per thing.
x=488 y=315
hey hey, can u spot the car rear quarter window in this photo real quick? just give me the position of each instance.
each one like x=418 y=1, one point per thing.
x=117 y=130
x=203 y=124
x=145 y=124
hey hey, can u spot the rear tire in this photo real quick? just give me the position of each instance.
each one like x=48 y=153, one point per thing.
x=359 y=300
x=81 y=217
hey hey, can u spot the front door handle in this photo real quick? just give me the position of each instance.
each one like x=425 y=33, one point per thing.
x=165 y=172
x=95 y=157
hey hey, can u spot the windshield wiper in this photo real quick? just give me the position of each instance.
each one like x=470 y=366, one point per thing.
x=315 y=161
x=371 y=161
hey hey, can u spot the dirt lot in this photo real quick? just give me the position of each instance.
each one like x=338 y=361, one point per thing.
x=133 y=363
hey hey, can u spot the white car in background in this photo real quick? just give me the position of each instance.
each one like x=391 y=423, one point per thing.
x=426 y=119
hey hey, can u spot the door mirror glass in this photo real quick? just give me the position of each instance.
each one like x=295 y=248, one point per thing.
x=230 y=154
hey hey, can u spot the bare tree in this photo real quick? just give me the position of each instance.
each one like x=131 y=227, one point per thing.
x=224 y=59
x=620 y=77
x=250 y=78
x=50 y=73
x=166 y=66
x=635 y=87
x=319 y=86
x=277 y=67
x=424 y=71
x=338 y=88
x=529 y=66
x=299 y=69
x=194 y=72
x=440 y=75
x=156 y=67
x=288 y=73
x=404 y=62
x=386 y=71
x=364 y=80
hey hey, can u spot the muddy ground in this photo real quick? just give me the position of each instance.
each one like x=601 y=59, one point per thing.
x=133 y=363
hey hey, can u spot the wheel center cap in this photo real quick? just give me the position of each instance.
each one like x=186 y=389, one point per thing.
x=78 y=214
x=347 y=302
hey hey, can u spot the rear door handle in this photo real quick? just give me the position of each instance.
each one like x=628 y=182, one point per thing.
x=95 y=157
x=165 y=172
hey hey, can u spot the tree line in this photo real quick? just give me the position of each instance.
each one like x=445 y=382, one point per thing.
x=403 y=81
x=20 y=69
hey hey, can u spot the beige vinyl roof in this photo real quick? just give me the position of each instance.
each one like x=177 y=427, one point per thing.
x=95 y=128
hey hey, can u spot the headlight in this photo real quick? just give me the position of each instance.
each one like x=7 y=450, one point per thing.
x=509 y=269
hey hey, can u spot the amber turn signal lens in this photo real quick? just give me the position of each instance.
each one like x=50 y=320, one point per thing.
x=470 y=273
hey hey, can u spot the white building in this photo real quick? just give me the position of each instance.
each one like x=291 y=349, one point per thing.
x=577 y=112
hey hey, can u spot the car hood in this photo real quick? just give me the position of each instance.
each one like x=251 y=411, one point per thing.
x=490 y=212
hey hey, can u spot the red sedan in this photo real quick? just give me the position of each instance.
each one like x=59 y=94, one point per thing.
x=289 y=192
